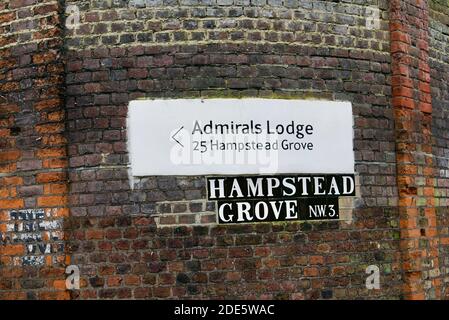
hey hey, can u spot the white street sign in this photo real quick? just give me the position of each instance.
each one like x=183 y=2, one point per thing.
x=239 y=136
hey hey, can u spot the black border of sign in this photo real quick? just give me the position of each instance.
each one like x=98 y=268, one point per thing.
x=280 y=176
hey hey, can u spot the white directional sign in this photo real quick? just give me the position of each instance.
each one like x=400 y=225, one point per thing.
x=239 y=136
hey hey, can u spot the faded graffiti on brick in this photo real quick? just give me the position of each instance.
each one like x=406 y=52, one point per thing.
x=28 y=227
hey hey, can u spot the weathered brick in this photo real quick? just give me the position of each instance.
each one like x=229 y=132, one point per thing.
x=11 y=204
x=248 y=49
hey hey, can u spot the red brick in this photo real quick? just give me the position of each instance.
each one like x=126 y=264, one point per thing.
x=94 y=234
x=8 y=168
x=47 y=104
x=52 y=201
x=54 y=163
x=140 y=293
x=9 y=108
x=426 y=107
x=401 y=101
x=54 y=140
x=55 y=188
x=56 y=116
x=7 y=17
x=45 y=9
x=51 y=177
x=9 y=156
x=162 y=292
x=9 y=86
x=50 y=128
x=59 y=284
x=51 y=153
x=11 y=204
x=12 y=250
x=12 y=295
x=113 y=234
x=311 y=272
x=13 y=4
x=114 y=281
x=400 y=36
x=54 y=295
x=132 y=280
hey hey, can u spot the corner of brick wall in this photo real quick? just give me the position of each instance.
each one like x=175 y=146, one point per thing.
x=33 y=160
x=439 y=68
x=412 y=104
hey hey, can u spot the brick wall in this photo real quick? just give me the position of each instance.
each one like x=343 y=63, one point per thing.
x=439 y=67
x=413 y=114
x=156 y=237
x=159 y=239
x=33 y=158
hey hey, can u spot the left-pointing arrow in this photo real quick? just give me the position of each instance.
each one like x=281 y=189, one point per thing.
x=173 y=136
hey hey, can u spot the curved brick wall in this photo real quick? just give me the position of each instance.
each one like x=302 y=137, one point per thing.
x=158 y=238
x=439 y=64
